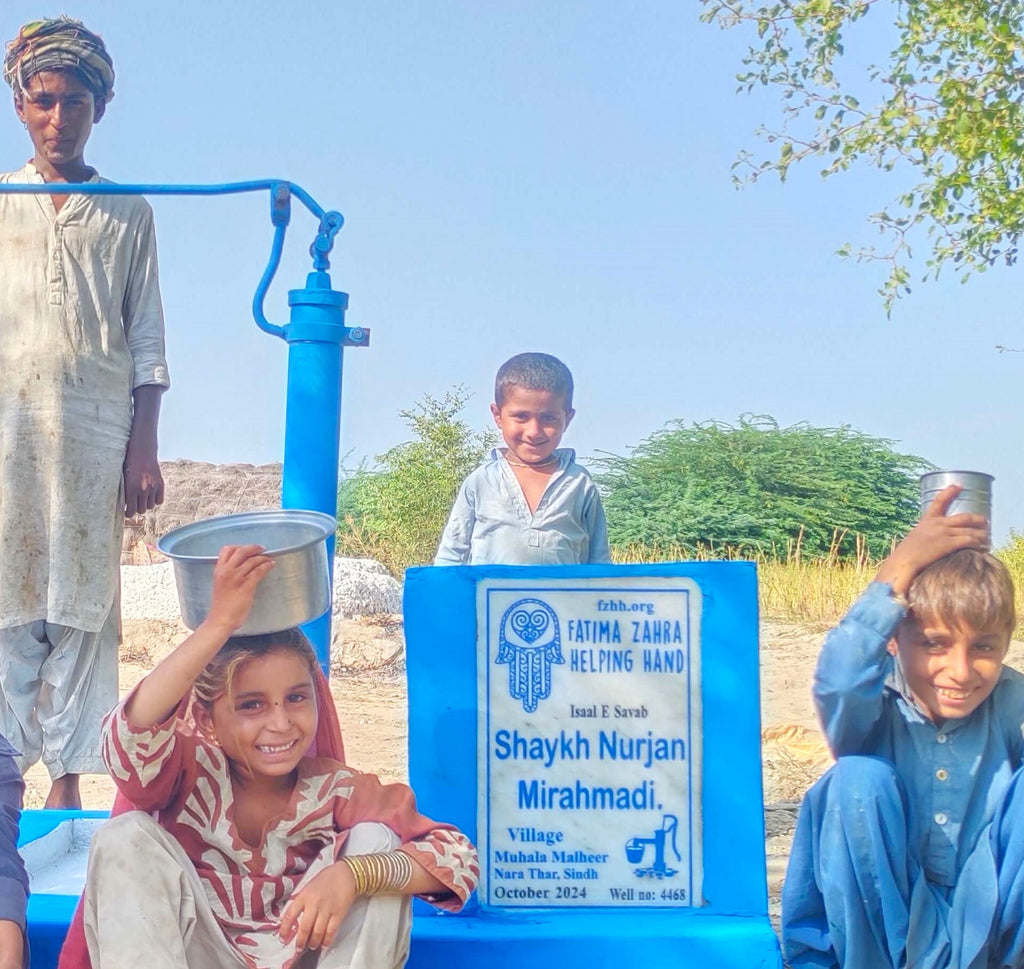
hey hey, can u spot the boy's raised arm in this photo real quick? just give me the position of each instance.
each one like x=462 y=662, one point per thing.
x=850 y=677
x=854 y=663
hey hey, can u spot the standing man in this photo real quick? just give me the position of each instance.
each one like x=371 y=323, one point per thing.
x=82 y=370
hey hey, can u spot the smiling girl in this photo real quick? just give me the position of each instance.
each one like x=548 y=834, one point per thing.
x=251 y=846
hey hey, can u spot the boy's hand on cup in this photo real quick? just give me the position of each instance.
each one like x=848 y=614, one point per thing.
x=933 y=537
x=238 y=571
x=315 y=912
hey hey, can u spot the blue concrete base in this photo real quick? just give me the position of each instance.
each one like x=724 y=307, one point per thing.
x=579 y=938
x=732 y=931
x=49 y=915
x=594 y=940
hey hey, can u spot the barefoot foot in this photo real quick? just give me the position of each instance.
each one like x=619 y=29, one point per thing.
x=64 y=794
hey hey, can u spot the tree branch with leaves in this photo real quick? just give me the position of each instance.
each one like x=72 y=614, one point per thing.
x=944 y=107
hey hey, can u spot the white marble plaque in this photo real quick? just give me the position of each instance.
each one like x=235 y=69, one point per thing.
x=590 y=734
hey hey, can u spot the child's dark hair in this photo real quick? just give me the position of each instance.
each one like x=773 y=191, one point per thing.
x=534 y=371
x=217 y=677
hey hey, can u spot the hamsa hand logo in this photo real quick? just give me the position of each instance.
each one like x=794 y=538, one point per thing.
x=529 y=641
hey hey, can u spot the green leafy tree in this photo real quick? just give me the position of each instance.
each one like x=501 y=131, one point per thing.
x=945 y=107
x=755 y=487
x=395 y=512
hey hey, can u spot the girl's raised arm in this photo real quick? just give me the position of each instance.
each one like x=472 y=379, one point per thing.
x=238 y=571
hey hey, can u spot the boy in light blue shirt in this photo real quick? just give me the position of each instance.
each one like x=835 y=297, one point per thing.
x=530 y=503
x=909 y=852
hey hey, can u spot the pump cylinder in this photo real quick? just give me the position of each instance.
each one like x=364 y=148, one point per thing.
x=315 y=336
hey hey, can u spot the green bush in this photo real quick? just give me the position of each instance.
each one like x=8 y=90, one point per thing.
x=758 y=489
x=395 y=511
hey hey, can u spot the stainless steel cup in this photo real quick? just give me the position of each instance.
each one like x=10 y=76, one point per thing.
x=975 y=498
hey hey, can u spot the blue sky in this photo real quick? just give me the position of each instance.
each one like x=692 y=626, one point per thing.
x=526 y=175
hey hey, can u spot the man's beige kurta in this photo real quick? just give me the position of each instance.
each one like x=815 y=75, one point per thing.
x=81 y=325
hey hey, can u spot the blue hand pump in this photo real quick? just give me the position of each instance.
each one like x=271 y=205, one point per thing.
x=316 y=335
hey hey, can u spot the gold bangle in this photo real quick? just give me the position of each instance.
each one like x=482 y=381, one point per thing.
x=381 y=873
x=358 y=874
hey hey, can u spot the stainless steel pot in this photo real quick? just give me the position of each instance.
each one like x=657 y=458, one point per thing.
x=295 y=591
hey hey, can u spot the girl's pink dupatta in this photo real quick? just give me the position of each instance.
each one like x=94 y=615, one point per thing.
x=326 y=743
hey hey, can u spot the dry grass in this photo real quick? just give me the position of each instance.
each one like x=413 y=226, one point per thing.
x=797 y=589
x=810 y=591
x=792 y=589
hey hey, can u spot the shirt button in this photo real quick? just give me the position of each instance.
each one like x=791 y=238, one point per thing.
x=940 y=818
x=941 y=774
x=941 y=738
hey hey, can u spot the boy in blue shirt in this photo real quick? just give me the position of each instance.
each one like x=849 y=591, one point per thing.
x=910 y=850
x=530 y=503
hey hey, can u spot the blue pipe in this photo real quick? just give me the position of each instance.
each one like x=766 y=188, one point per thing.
x=315 y=335
x=113 y=188
x=264 y=284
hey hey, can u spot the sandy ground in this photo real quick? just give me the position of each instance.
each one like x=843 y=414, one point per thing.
x=372 y=709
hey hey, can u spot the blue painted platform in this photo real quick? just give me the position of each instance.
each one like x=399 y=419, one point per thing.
x=458 y=942
x=472 y=943
x=596 y=940
x=49 y=915
x=732 y=929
